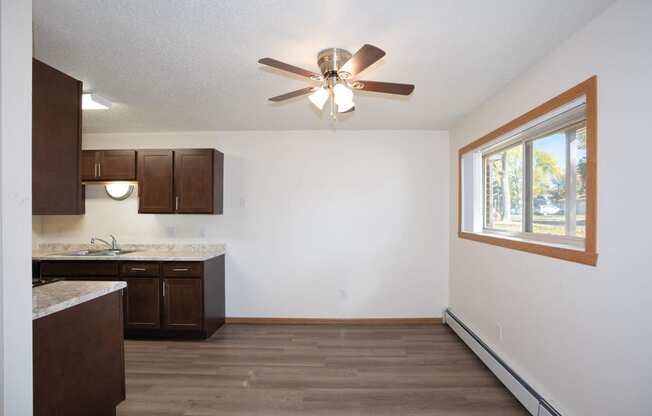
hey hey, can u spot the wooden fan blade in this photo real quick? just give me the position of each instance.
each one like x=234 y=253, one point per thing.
x=297 y=93
x=362 y=59
x=386 y=87
x=289 y=68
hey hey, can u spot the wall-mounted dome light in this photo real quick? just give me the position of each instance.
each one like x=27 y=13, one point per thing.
x=95 y=102
x=119 y=190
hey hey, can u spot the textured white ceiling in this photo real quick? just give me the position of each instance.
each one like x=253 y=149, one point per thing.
x=192 y=64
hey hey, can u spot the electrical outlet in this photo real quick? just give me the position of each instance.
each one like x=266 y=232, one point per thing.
x=499 y=331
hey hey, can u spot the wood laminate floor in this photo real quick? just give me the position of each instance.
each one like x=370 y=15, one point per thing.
x=313 y=370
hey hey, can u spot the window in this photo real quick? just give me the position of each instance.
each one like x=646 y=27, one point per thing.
x=530 y=185
x=504 y=190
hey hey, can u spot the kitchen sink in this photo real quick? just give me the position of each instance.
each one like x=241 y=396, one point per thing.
x=108 y=253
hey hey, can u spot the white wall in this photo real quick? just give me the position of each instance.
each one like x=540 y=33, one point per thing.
x=581 y=335
x=15 y=207
x=334 y=224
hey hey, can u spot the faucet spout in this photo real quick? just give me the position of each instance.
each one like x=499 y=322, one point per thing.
x=113 y=244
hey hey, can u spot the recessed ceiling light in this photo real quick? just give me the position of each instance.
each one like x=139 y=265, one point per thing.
x=94 y=102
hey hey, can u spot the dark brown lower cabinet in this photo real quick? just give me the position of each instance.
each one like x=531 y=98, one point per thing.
x=79 y=359
x=142 y=305
x=162 y=299
x=182 y=304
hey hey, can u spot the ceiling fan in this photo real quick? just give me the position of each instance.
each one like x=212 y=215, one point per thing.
x=338 y=67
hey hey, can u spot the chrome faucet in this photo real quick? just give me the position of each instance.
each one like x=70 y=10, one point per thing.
x=113 y=244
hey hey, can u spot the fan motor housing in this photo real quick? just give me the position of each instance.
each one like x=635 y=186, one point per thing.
x=331 y=60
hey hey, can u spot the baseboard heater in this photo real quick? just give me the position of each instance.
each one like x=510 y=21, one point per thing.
x=531 y=400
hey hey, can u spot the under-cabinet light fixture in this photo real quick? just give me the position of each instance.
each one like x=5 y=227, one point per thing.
x=119 y=191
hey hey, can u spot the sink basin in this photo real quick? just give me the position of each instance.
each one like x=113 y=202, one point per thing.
x=108 y=253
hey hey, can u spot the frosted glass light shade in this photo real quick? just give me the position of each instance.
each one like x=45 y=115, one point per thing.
x=344 y=107
x=343 y=94
x=343 y=98
x=319 y=98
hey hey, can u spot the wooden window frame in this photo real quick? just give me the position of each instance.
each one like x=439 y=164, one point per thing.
x=588 y=255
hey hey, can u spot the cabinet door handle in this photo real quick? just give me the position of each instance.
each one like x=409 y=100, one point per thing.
x=164 y=288
x=95 y=170
x=176 y=203
x=99 y=169
x=180 y=270
x=138 y=269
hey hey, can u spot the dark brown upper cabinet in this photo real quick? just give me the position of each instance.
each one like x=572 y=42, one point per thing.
x=109 y=165
x=188 y=181
x=56 y=142
x=155 y=181
x=197 y=181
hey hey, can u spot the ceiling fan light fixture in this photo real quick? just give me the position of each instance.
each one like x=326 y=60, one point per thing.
x=339 y=70
x=343 y=94
x=343 y=98
x=319 y=98
x=345 y=107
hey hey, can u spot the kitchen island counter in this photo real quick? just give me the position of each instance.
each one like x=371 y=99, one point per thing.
x=78 y=352
x=54 y=297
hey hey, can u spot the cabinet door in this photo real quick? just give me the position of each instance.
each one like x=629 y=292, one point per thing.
x=182 y=304
x=193 y=181
x=155 y=181
x=117 y=165
x=56 y=142
x=142 y=303
x=89 y=161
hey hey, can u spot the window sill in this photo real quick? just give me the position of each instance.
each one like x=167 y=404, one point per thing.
x=564 y=252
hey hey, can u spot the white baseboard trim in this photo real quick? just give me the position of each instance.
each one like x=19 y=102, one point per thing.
x=524 y=393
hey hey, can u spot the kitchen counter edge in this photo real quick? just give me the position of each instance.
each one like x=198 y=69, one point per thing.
x=58 y=296
x=135 y=256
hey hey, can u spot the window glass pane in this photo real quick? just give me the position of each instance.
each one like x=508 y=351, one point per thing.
x=548 y=184
x=580 y=181
x=504 y=190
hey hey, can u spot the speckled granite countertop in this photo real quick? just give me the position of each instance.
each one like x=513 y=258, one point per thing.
x=54 y=297
x=139 y=252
